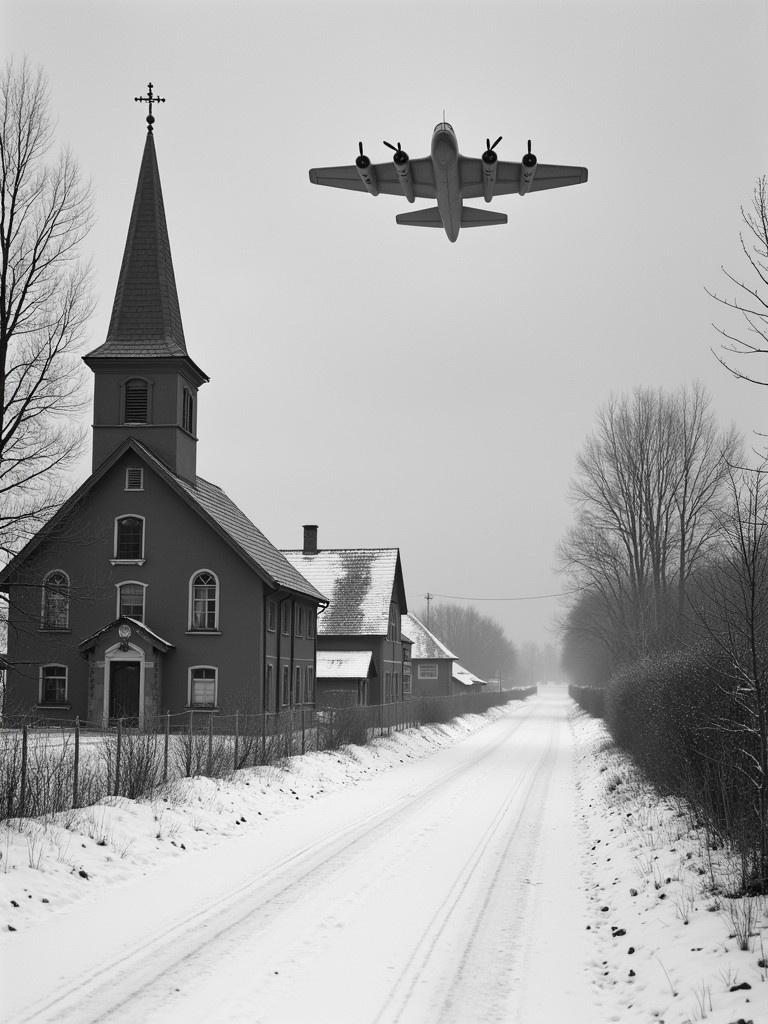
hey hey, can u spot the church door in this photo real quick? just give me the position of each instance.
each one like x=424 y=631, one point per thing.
x=124 y=679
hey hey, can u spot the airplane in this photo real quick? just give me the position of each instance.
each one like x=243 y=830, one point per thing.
x=450 y=178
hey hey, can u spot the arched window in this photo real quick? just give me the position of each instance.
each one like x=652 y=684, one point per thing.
x=129 y=539
x=131 y=600
x=136 y=401
x=203 y=680
x=56 y=600
x=204 y=601
x=188 y=411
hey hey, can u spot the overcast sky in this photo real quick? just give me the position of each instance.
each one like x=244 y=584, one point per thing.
x=425 y=395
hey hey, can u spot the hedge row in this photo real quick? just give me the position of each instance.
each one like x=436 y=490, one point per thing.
x=591 y=698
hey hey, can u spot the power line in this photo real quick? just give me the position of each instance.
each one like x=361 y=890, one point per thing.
x=529 y=597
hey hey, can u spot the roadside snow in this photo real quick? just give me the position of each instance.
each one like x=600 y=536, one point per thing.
x=665 y=947
x=619 y=908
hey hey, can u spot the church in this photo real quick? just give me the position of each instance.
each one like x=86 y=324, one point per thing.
x=150 y=591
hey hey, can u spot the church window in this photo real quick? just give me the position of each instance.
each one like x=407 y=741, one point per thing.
x=188 y=411
x=53 y=684
x=136 y=407
x=203 y=680
x=56 y=600
x=131 y=600
x=134 y=478
x=129 y=539
x=204 y=601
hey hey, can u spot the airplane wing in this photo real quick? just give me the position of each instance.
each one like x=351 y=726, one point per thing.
x=508 y=177
x=386 y=178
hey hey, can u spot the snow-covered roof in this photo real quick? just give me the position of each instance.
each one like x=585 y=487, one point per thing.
x=343 y=664
x=425 y=644
x=359 y=582
x=465 y=677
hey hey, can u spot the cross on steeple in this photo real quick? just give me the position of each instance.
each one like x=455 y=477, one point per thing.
x=150 y=99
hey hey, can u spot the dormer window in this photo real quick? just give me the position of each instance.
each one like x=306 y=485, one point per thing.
x=136 y=404
x=188 y=411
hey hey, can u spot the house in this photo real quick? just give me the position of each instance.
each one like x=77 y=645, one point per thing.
x=359 y=649
x=150 y=590
x=464 y=681
x=432 y=663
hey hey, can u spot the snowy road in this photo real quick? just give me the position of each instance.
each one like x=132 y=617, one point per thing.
x=445 y=890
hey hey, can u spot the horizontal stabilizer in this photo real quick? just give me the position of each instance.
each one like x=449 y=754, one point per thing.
x=429 y=218
x=473 y=218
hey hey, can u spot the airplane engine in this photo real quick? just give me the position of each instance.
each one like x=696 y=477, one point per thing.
x=367 y=172
x=403 y=170
x=527 y=170
x=489 y=161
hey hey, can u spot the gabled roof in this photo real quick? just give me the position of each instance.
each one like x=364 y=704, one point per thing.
x=155 y=639
x=208 y=501
x=146 y=318
x=465 y=677
x=360 y=583
x=425 y=644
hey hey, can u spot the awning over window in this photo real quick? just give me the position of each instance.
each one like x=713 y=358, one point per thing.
x=344 y=664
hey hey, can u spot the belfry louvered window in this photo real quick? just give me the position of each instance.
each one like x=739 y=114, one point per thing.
x=136 y=408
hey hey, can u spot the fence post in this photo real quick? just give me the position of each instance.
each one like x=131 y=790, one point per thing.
x=210 y=745
x=189 y=745
x=76 y=765
x=23 y=793
x=237 y=739
x=117 y=755
x=303 y=741
x=165 y=751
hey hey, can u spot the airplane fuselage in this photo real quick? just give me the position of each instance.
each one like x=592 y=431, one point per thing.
x=445 y=161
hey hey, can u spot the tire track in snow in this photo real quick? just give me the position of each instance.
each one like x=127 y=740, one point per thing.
x=397 y=1003
x=128 y=979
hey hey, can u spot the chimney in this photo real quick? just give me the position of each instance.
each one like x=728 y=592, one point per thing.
x=310 y=540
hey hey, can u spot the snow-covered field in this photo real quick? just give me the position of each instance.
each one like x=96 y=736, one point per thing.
x=509 y=867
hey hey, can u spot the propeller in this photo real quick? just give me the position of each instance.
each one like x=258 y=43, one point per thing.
x=529 y=160
x=362 y=161
x=489 y=156
x=400 y=156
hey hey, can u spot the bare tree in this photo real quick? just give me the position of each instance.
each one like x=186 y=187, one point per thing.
x=478 y=641
x=45 y=301
x=732 y=601
x=750 y=299
x=649 y=484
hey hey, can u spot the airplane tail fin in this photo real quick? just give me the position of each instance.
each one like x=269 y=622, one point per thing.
x=474 y=218
x=429 y=218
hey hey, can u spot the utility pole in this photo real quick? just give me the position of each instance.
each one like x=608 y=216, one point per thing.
x=428 y=597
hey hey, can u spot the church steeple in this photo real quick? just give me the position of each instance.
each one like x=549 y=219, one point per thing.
x=145 y=353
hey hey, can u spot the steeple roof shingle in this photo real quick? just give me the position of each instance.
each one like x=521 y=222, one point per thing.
x=146 y=319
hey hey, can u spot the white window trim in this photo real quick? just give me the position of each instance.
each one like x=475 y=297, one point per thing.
x=428 y=670
x=116 y=653
x=190 y=589
x=54 y=629
x=203 y=707
x=136 y=583
x=40 y=694
x=129 y=561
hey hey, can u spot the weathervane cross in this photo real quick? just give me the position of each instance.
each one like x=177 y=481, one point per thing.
x=150 y=99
